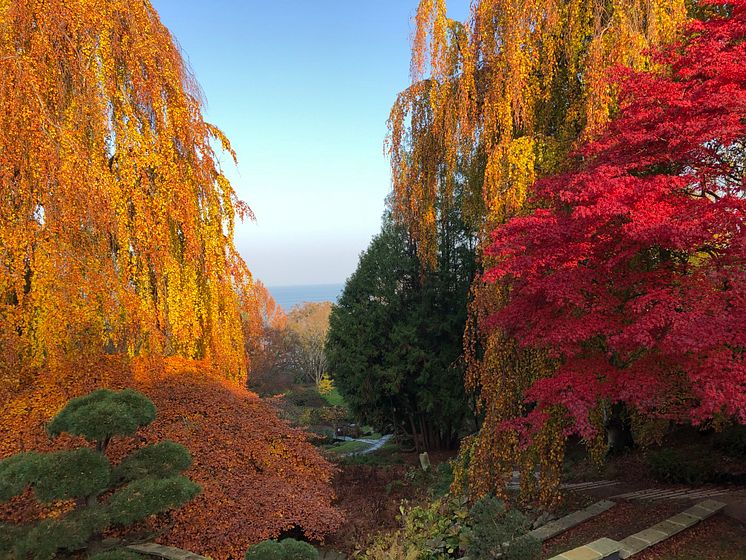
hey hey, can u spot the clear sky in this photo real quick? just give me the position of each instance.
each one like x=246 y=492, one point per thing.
x=303 y=89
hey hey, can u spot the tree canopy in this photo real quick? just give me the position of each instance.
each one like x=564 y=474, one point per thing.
x=394 y=342
x=631 y=275
x=496 y=103
x=500 y=100
x=116 y=222
x=307 y=326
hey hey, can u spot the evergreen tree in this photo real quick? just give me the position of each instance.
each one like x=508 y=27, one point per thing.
x=394 y=343
x=145 y=483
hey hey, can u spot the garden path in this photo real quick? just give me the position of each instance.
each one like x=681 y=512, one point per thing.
x=375 y=444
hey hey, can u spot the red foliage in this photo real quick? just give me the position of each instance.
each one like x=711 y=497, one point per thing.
x=632 y=272
x=259 y=477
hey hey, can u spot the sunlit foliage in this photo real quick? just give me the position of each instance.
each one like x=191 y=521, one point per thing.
x=501 y=99
x=116 y=221
x=496 y=103
x=308 y=324
x=631 y=273
x=259 y=477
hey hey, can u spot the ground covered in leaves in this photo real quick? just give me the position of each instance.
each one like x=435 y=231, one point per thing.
x=718 y=538
x=260 y=478
x=370 y=490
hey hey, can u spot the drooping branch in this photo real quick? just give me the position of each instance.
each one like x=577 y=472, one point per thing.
x=103 y=146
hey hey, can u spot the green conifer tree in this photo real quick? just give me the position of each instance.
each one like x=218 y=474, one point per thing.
x=395 y=338
x=145 y=483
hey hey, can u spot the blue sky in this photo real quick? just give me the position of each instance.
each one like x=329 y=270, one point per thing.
x=303 y=89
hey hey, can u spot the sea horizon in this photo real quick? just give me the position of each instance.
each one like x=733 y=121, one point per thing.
x=288 y=296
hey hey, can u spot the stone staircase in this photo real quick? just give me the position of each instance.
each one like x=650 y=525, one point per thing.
x=554 y=528
x=601 y=549
x=167 y=552
x=609 y=549
x=657 y=494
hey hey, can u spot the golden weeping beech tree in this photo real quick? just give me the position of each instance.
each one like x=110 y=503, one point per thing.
x=116 y=222
x=494 y=104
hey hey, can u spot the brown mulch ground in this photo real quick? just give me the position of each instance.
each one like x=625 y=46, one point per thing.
x=370 y=497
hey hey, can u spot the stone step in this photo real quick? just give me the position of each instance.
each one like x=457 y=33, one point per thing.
x=167 y=552
x=654 y=494
x=608 y=549
x=554 y=528
x=601 y=549
x=661 y=531
x=590 y=485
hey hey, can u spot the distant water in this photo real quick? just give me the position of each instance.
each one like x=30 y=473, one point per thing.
x=289 y=296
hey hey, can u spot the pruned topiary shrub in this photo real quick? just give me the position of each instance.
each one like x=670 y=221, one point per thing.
x=298 y=550
x=286 y=549
x=90 y=494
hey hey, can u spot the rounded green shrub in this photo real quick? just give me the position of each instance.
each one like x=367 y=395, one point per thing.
x=286 y=549
x=266 y=550
x=499 y=532
x=9 y=536
x=670 y=465
x=142 y=498
x=162 y=460
x=732 y=441
x=298 y=550
x=16 y=473
x=306 y=397
x=70 y=533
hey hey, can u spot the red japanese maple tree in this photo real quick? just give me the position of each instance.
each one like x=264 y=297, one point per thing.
x=632 y=273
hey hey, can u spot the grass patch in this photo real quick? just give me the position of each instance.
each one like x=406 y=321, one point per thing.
x=388 y=454
x=348 y=447
x=369 y=433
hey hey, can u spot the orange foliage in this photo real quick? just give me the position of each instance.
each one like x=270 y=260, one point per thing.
x=499 y=100
x=116 y=237
x=268 y=313
x=116 y=221
x=256 y=483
